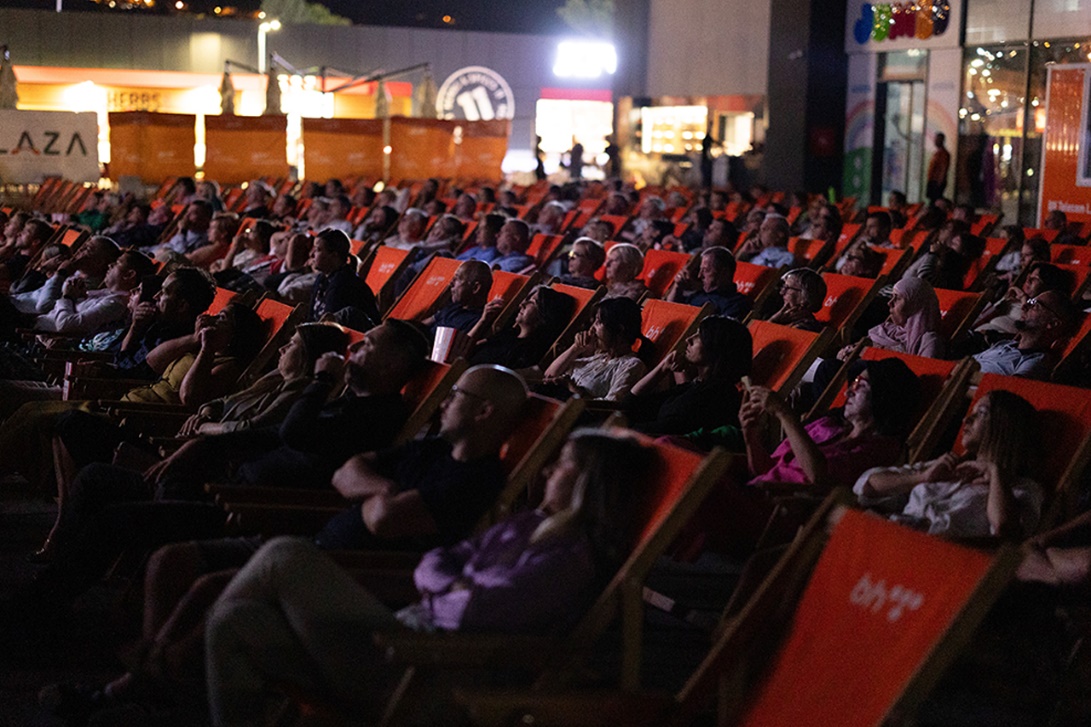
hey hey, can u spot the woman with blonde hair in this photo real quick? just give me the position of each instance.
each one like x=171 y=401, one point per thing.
x=623 y=263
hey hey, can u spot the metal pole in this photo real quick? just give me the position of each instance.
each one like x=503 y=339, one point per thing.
x=262 y=31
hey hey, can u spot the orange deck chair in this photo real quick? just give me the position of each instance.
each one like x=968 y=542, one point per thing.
x=958 y=309
x=782 y=354
x=426 y=290
x=1065 y=424
x=660 y=267
x=384 y=266
x=848 y=629
x=667 y=324
x=846 y=298
x=1070 y=254
x=756 y=282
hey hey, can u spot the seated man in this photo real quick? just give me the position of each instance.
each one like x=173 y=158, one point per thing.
x=33 y=235
x=421 y=494
x=714 y=283
x=258 y=197
x=410 y=230
x=221 y=231
x=773 y=240
x=83 y=312
x=1047 y=319
x=192 y=233
x=141 y=227
x=338 y=286
x=337 y=212
x=485 y=237
x=469 y=293
x=90 y=262
x=512 y=244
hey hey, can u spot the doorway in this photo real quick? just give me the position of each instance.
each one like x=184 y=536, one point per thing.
x=899 y=126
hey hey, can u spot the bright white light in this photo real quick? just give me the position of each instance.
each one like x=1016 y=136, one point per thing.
x=584 y=59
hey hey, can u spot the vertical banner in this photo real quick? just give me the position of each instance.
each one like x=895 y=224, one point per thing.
x=482 y=149
x=241 y=148
x=1066 y=144
x=420 y=148
x=859 y=126
x=151 y=146
x=342 y=148
x=39 y=144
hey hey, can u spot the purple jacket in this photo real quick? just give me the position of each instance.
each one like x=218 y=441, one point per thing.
x=500 y=581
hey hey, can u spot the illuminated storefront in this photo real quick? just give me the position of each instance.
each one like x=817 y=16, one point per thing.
x=1003 y=112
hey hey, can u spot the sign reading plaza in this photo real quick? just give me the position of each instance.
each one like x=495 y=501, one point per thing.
x=39 y=144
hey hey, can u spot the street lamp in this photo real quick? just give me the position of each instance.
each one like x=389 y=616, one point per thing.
x=263 y=30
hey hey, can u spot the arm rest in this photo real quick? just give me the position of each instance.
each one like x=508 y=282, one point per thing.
x=127 y=408
x=465 y=650
x=269 y=520
x=86 y=387
x=230 y=496
x=575 y=709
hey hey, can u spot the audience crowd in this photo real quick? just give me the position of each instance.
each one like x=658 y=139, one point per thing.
x=274 y=339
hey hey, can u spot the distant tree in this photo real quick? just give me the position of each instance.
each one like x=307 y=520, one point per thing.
x=590 y=17
x=299 y=12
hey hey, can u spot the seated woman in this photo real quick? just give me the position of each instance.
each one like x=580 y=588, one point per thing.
x=541 y=318
x=586 y=256
x=263 y=404
x=293 y=617
x=986 y=491
x=913 y=324
x=704 y=390
x=837 y=448
x=248 y=260
x=623 y=263
x=803 y=291
x=600 y=363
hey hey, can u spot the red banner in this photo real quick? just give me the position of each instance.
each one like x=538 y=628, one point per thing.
x=241 y=148
x=343 y=148
x=151 y=146
x=420 y=148
x=484 y=145
x=1066 y=179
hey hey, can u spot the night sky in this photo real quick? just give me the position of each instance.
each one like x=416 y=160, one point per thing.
x=513 y=16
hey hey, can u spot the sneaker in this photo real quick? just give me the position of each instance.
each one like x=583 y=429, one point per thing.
x=72 y=701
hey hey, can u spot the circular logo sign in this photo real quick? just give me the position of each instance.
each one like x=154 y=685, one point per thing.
x=475 y=93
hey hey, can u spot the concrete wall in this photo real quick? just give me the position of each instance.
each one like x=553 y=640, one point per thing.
x=184 y=43
x=708 y=47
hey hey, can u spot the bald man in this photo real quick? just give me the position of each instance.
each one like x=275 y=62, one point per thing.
x=469 y=293
x=433 y=490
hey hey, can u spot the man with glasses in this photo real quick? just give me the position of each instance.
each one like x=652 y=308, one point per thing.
x=1047 y=319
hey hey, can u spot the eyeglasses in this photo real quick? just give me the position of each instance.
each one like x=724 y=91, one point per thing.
x=458 y=390
x=785 y=286
x=575 y=254
x=1037 y=303
x=860 y=382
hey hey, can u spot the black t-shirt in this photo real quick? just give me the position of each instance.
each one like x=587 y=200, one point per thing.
x=456 y=494
x=317 y=438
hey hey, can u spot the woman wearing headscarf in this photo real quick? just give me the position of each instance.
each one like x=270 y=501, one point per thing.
x=913 y=324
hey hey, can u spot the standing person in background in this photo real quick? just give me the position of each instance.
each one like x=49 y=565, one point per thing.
x=937 y=170
x=575 y=161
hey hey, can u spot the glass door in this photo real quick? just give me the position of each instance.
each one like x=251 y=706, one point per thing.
x=901 y=138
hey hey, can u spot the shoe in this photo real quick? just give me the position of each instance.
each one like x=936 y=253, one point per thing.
x=74 y=702
x=42 y=555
